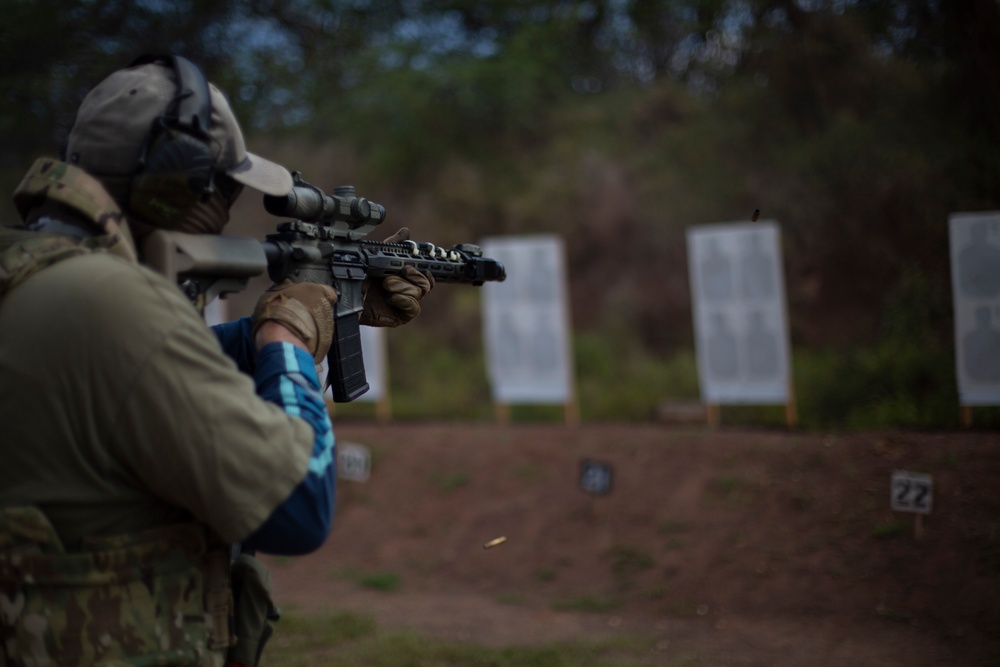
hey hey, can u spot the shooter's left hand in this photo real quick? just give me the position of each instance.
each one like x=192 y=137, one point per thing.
x=396 y=300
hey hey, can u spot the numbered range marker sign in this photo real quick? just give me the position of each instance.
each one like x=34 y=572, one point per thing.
x=595 y=477
x=354 y=462
x=911 y=492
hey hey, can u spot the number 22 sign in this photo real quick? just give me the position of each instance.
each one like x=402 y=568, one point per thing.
x=911 y=492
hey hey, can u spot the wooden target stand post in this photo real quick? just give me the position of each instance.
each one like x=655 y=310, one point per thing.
x=965 y=415
x=571 y=412
x=713 y=412
x=383 y=409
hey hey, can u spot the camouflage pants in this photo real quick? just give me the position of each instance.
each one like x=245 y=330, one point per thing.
x=254 y=609
x=130 y=600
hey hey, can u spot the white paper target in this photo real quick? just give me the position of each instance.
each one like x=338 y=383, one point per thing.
x=740 y=321
x=526 y=321
x=975 y=278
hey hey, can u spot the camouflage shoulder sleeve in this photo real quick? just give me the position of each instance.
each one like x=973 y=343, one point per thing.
x=52 y=180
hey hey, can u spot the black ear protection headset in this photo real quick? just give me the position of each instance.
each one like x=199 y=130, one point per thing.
x=176 y=167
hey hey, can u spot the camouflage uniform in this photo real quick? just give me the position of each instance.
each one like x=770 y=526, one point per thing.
x=158 y=598
x=103 y=368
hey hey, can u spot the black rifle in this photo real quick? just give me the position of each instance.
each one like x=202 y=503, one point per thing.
x=326 y=243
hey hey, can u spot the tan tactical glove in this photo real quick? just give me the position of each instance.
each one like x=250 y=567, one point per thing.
x=306 y=309
x=396 y=300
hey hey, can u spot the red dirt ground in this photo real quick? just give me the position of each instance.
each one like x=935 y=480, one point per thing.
x=731 y=547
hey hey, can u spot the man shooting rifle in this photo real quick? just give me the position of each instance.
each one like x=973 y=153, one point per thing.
x=138 y=444
x=326 y=244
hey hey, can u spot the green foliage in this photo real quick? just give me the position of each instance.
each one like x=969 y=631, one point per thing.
x=905 y=380
x=431 y=379
x=618 y=380
x=413 y=110
x=896 y=383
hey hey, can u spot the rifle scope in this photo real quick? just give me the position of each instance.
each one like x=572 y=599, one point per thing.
x=308 y=203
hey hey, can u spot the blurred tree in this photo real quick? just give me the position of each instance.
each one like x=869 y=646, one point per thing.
x=890 y=105
x=54 y=51
x=859 y=124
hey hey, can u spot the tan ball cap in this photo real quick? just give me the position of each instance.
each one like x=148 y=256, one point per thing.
x=115 y=119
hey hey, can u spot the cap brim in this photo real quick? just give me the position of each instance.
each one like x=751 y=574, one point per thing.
x=263 y=175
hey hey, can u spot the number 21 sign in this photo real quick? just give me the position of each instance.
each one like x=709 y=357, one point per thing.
x=911 y=492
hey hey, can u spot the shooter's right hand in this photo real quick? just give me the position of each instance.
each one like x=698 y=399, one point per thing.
x=305 y=309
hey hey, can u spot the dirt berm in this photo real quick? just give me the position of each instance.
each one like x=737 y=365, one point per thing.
x=734 y=547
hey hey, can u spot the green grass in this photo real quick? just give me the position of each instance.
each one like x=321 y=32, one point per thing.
x=672 y=530
x=685 y=609
x=529 y=471
x=733 y=490
x=382 y=581
x=985 y=542
x=448 y=482
x=672 y=526
x=546 y=574
x=891 y=529
x=627 y=562
x=587 y=603
x=377 y=581
x=348 y=639
x=803 y=501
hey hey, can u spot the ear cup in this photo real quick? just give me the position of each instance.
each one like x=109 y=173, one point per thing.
x=177 y=164
x=177 y=173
